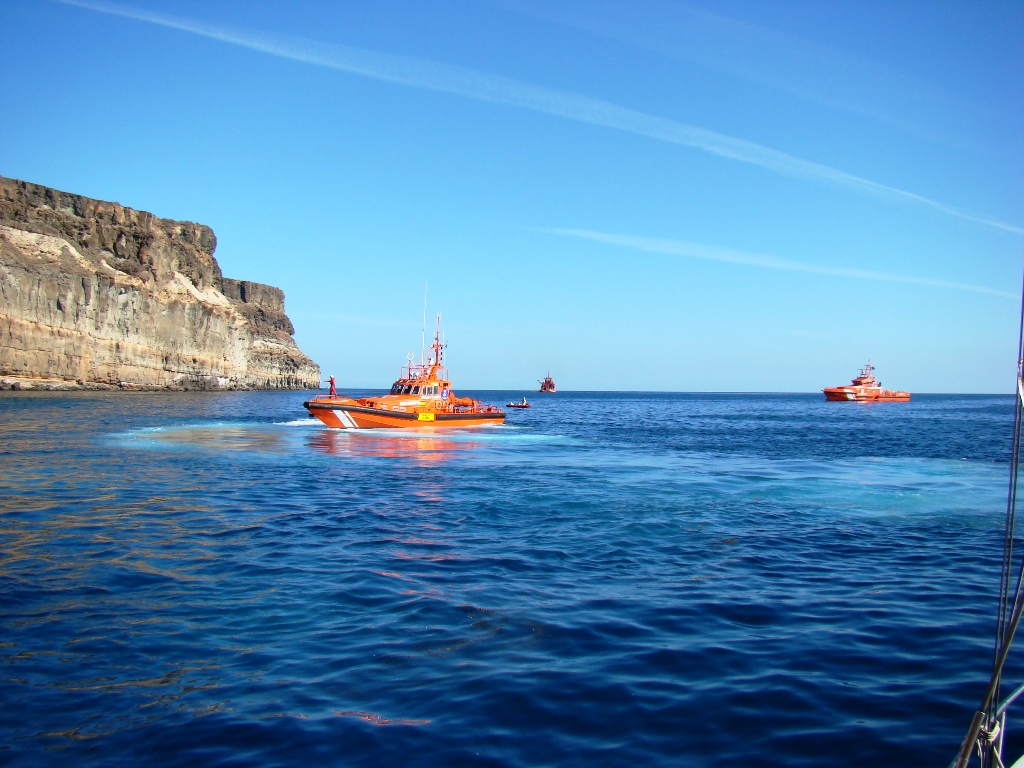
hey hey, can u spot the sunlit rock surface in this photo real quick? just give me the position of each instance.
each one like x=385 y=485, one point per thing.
x=94 y=293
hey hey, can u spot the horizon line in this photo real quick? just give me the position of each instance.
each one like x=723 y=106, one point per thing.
x=683 y=392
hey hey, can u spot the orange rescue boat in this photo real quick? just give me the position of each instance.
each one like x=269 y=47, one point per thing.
x=865 y=389
x=421 y=397
x=548 y=385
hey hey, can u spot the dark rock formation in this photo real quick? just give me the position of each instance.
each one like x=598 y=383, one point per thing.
x=96 y=293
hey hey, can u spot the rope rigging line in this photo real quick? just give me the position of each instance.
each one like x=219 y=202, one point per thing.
x=987 y=724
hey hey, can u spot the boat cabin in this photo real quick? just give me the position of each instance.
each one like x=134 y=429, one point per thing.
x=405 y=387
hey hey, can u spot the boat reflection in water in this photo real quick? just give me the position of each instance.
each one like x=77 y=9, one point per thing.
x=421 y=447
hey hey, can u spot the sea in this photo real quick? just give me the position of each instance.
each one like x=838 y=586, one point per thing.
x=608 y=579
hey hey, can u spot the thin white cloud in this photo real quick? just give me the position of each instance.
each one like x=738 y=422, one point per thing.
x=469 y=83
x=715 y=253
x=802 y=67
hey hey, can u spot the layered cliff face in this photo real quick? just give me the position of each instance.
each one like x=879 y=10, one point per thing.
x=92 y=291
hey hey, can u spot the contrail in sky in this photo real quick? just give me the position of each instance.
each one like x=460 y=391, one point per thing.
x=715 y=253
x=473 y=84
x=762 y=55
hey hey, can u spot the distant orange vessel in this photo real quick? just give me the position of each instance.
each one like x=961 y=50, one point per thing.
x=421 y=397
x=548 y=385
x=865 y=389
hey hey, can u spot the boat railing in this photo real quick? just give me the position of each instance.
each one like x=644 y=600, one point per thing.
x=1001 y=720
x=997 y=735
x=474 y=407
x=1008 y=701
x=470 y=407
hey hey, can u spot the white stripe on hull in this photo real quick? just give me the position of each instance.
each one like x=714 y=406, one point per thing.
x=346 y=420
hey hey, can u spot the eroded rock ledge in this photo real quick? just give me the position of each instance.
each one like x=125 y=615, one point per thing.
x=96 y=295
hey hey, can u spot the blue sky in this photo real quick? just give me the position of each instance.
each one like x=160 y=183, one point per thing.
x=726 y=196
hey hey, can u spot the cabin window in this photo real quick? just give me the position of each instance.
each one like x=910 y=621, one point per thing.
x=396 y=389
x=433 y=390
x=405 y=389
x=416 y=389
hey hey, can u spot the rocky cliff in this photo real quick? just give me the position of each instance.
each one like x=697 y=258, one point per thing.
x=93 y=292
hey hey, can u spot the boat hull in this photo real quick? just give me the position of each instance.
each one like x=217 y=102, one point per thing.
x=839 y=394
x=354 y=416
x=858 y=395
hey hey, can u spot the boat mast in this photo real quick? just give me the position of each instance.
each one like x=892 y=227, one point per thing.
x=437 y=346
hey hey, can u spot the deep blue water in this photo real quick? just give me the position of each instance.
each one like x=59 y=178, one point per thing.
x=609 y=579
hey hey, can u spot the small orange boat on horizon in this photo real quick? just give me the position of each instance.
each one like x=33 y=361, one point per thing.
x=865 y=389
x=548 y=385
x=421 y=397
